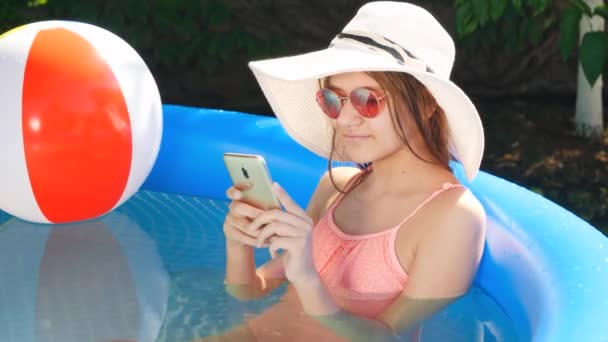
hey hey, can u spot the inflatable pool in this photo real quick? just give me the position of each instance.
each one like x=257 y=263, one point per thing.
x=159 y=258
x=545 y=267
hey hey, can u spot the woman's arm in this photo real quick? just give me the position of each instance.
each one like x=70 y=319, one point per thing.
x=242 y=282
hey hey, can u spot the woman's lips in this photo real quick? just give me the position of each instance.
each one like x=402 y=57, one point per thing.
x=352 y=137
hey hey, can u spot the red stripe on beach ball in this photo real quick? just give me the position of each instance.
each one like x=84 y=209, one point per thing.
x=76 y=128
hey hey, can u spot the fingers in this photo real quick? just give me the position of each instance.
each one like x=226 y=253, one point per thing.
x=239 y=236
x=288 y=203
x=279 y=215
x=278 y=229
x=233 y=193
x=234 y=230
x=242 y=209
x=238 y=218
x=279 y=242
x=239 y=223
x=293 y=223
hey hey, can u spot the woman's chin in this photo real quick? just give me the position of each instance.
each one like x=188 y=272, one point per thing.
x=360 y=158
x=357 y=154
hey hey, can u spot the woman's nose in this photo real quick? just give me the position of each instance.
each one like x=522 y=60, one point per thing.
x=349 y=116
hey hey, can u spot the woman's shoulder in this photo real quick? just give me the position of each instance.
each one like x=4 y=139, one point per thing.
x=456 y=211
x=450 y=242
x=326 y=191
x=463 y=202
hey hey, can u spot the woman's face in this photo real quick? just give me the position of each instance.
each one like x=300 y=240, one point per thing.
x=361 y=139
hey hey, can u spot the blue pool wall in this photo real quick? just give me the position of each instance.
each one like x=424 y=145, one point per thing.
x=547 y=268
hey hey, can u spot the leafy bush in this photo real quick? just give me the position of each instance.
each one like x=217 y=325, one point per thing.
x=511 y=24
x=594 y=44
x=516 y=23
x=199 y=35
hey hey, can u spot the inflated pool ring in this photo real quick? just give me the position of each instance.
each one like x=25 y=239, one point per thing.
x=546 y=268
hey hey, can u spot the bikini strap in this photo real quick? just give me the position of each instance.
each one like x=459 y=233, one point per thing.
x=445 y=186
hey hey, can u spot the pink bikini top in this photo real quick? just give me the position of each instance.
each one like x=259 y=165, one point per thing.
x=362 y=272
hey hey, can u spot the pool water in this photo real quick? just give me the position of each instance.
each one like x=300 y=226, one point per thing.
x=153 y=270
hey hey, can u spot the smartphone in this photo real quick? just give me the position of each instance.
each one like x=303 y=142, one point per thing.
x=251 y=169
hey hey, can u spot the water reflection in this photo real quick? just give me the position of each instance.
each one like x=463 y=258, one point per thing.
x=153 y=270
x=474 y=317
x=101 y=280
x=199 y=308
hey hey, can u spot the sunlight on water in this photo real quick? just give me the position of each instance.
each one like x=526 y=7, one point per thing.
x=157 y=263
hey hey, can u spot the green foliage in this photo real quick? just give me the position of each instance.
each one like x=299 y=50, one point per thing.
x=569 y=27
x=194 y=35
x=512 y=24
x=593 y=53
x=35 y=3
x=582 y=6
x=516 y=23
x=601 y=11
x=10 y=14
x=593 y=50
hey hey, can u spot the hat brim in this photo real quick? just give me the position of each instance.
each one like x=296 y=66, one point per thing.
x=290 y=84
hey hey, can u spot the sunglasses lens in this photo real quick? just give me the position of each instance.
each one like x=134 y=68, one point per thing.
x=365 y=102
x=329 y=103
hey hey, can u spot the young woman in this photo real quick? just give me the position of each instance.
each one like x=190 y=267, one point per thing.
x=382 y=246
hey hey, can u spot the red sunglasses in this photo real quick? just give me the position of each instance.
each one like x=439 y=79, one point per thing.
x=367 y=102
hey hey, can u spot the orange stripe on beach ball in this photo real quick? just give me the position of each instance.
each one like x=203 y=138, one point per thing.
x=76 y=128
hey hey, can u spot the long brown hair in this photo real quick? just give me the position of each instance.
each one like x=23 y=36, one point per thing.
x=409 y=98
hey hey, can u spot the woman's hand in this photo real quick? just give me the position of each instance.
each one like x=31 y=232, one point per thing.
x=239 y=216
x=291 y=231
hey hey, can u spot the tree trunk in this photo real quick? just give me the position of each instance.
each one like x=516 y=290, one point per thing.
x=589 y=110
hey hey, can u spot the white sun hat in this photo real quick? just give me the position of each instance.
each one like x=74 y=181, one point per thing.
x=383 y=36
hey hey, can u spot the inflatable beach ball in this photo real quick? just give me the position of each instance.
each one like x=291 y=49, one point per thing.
x=80 y=121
